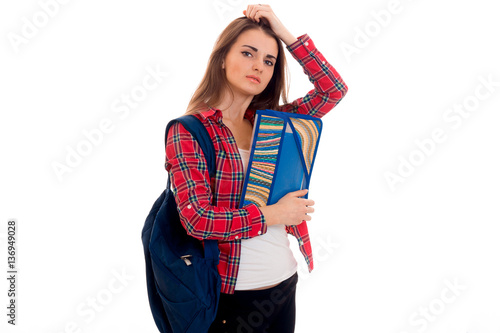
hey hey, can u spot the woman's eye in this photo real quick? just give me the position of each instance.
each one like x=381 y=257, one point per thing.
x=248 y=54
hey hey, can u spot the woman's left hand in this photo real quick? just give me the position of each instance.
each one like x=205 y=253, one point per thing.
x=266 y=14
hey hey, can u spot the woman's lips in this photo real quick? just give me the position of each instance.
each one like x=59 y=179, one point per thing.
x=253 y=79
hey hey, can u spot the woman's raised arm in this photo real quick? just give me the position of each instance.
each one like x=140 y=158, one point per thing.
x=329 y=87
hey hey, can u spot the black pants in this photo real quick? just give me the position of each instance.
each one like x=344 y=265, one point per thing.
x=258 y=311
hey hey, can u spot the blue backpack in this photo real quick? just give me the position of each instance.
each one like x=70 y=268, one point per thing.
x=182 y=278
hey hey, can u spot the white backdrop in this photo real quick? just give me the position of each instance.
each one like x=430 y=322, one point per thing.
x=405 y=231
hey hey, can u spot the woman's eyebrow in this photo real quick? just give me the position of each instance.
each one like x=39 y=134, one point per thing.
x=256 y=50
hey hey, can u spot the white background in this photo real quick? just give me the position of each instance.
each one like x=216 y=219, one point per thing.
x=382 y=254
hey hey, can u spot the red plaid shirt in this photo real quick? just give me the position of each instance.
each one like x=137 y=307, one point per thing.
x=209 y=208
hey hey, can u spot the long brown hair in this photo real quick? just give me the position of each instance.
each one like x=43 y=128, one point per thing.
x=211 y=87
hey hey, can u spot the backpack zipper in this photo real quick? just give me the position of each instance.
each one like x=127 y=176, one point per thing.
x=186 y=260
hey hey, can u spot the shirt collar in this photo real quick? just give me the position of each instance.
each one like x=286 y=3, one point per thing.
x=209 y=112
x=250 y=115
x=217 y=114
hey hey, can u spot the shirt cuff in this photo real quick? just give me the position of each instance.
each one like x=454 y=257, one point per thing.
x=258 y=225
x=302 y=47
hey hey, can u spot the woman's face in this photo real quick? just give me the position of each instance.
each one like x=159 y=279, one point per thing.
x=249 y=64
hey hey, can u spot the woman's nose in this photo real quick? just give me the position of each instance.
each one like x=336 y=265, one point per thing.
x=257 y=65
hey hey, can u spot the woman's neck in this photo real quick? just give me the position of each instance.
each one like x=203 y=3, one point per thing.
x=233 y=109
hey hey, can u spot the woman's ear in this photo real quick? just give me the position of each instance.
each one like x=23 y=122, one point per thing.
x=223 y=65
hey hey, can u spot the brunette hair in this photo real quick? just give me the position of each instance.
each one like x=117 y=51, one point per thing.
x=210 y=89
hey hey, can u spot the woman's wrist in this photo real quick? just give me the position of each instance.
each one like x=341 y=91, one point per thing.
x=269 y=216
x=287 y=38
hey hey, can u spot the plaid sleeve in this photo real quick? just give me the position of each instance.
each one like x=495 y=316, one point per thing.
x=329 y=87
x=191 y=187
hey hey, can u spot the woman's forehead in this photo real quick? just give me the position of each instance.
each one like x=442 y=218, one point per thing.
x=259 y=40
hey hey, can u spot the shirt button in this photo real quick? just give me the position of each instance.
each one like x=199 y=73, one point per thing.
x=189 y=207
x=323 y=62
x=306 y=43
x=259 y=232
x=237 y=237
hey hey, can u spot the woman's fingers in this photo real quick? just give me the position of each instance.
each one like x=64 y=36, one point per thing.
x=303 y=207
x=299 y=193
x=260 y=16
x=256 y=12
x=251 y=10
x=291 y=209
x=260 y=12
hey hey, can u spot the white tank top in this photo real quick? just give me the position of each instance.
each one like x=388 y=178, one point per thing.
x=267 y=259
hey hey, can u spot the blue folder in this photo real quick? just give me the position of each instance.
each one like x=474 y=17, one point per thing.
x=282 y=155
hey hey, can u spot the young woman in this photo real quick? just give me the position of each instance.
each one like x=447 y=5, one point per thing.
x=246 y=72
